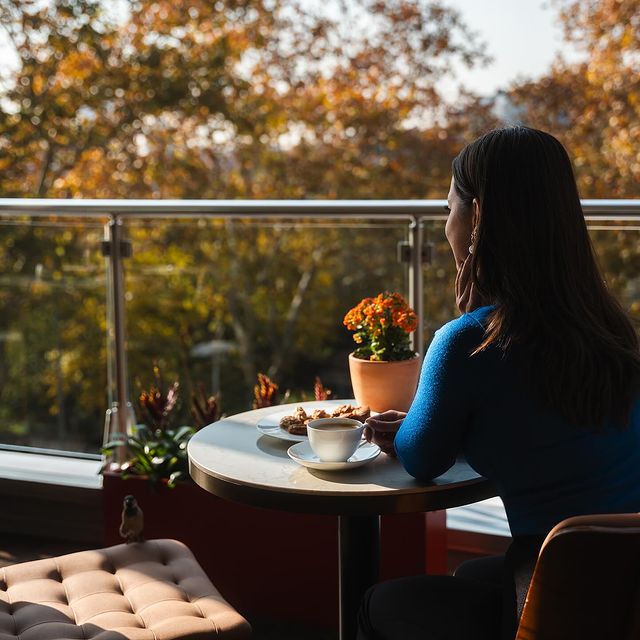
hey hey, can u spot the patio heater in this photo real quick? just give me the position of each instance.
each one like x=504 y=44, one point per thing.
x=216 y=350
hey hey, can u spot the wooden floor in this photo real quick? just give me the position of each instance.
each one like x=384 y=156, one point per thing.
x=17 y=548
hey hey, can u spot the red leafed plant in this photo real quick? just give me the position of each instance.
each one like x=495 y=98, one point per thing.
x=320 y=392
x=155 y=449
x=265 y=392
x=155 y=406
x=205 y=409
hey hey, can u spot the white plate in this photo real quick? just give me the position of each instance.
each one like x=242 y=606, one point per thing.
x=302 y=454
x=270 y=425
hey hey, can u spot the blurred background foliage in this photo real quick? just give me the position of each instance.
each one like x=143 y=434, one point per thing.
x=257 y=99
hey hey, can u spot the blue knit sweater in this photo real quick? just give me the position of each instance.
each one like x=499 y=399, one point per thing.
x=480 y=407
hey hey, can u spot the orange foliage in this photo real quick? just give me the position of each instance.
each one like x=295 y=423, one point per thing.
x=259 y=99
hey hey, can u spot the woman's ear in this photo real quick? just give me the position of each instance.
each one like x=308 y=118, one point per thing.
x=476 y=212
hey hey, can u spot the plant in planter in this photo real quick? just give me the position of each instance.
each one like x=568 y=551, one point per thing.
x=265 y=393
x=384 y=368
x=156 y=468
x=320 y=392
x=205 y=409
x=155 y=449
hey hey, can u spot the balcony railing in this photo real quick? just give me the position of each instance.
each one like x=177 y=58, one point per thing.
x=205 y=277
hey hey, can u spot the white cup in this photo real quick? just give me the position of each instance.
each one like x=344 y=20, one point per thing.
x=334 y=439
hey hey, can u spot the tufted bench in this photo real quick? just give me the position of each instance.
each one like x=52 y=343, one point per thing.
x=153 y=590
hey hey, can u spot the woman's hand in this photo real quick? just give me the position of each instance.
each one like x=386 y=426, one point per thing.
x=382 y=429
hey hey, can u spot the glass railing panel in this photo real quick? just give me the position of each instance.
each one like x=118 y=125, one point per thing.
x=617 y=247
x=616 y=244
x=53 y=375
x=439 y=280
x=215 y=302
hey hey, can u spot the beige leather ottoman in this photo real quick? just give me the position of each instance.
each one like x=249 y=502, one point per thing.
x=153 y=590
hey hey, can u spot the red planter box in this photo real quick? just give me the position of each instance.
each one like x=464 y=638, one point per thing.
x=271 y=564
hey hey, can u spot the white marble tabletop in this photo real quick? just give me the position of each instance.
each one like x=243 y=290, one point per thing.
x=232 y=459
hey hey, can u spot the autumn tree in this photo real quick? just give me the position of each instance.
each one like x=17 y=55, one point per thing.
x=200 y=99
x=243 y=98
x=593 y=107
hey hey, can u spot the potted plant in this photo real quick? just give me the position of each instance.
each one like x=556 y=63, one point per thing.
x=151 y=463
x=155 y=450
x=384 y=368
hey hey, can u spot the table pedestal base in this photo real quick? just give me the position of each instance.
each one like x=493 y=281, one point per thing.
x=359 y=566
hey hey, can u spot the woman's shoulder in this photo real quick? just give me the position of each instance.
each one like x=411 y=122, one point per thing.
x=461 y=336
x=473 y=324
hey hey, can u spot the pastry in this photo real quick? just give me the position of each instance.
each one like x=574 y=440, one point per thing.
x=296 y=423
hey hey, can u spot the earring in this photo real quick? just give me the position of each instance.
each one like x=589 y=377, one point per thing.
x=473 y=239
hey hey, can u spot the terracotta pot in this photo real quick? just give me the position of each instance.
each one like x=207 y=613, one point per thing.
x=384 y=385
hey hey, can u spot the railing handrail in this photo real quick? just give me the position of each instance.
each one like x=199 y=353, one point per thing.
x=384 y=209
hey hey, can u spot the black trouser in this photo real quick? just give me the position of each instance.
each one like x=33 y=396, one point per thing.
x=483 y=601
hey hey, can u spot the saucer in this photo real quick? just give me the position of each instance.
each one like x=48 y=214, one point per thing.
x=303 y=454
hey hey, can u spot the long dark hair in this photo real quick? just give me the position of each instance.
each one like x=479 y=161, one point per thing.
x=533 y=258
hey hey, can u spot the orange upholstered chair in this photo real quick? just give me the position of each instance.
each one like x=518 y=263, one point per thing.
x=586 y=583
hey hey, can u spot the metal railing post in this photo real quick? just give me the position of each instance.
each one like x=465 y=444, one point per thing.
x=416 y=280
x=119 y=416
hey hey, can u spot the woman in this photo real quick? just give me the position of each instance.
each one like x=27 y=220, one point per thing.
x=537 y=383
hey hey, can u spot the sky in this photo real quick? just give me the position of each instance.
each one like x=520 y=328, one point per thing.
x=522 y=36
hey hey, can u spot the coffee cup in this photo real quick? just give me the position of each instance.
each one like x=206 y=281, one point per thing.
x=334 y=439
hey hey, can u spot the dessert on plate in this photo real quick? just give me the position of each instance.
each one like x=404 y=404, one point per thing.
x=296 y=423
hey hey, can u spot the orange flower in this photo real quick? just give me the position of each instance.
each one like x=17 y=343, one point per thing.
x=382 y=325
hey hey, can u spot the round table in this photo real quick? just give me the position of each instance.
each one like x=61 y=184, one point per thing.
x=233 y=460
